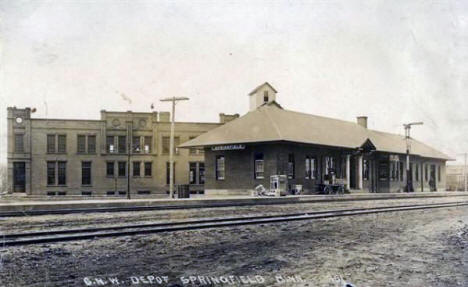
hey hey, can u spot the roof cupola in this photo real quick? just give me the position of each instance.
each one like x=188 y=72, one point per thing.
x=265 y=93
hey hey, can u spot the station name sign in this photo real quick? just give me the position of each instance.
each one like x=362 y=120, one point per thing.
x=228 y=147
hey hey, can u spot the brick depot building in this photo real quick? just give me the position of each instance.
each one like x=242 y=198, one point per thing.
x=270 y=140
x=107 y=157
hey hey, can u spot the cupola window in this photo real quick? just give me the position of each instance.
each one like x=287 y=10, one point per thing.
x=265 y=96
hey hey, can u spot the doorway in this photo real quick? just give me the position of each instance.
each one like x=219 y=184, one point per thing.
x=19 y=177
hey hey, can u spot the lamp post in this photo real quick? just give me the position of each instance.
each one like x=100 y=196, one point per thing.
x=407 y=127
x=174 y=100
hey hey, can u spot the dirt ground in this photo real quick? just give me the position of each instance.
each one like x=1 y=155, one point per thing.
x=413 y=248
x=57 y=222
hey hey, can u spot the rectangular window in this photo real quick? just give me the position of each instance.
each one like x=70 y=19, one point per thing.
x=193 y=173
x=110 y=144
x=166 y=143
x=148 y=168
x=110 y=168
x=259 y=166
x=176 y=144
x=148 y=143
x=51 y=172
x=51 y=143
x=81 y=144
x=62 y=143
x=329 y=165
x=426 y=176
x=201 y=173
x=122 y=168
x=136 y=145
x=401 y=170
x=310 y=168
x=220 y=167
x=438 y=173
x=86 y=173
x=136 y=168
x=122 y=144
x=365 y=169
x=291 y=166
x=92 y=144
x=19 y=143
x=265 y=96
x=168 y=174
x=383 y=170
x=62 y=172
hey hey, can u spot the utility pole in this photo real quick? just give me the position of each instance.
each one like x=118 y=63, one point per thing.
x=129 y=150
x=171 y=145
x=407 y=127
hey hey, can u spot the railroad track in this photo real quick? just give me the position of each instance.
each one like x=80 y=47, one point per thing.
x=139 y=229
x=335 y=198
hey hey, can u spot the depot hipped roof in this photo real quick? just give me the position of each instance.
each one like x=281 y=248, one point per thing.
x=271 y=123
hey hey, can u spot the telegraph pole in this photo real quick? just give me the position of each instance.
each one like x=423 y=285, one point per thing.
x=174 y=100
x=129 y=150
x=407 y=127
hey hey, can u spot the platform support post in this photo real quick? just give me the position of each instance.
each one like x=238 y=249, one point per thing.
x=348 y=171
x=360 y=172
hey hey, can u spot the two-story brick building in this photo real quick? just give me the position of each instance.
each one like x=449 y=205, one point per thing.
x=310 y=150
x=121 y=151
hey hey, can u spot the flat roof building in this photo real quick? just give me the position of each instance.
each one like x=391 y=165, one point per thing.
x=100 y=157
x=311 y=150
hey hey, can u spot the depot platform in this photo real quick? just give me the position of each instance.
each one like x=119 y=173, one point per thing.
x=33 y=207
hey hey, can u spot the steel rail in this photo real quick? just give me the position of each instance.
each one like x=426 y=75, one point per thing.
x=92 y=233
x=121 y=227
x=333 y=198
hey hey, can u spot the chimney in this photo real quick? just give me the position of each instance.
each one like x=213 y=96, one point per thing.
x=224 y=118
x=103 y=115
x=362 y=121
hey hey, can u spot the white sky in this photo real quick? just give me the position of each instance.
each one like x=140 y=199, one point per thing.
x=394 y=61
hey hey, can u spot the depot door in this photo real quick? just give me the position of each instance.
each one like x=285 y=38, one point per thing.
x=19 y=177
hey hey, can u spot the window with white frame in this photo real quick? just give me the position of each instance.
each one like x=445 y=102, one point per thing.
x=310 y=168
x=329 y=165
x=259 y=166
x=110 y=145
x=220 y=167
x=148 y=141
